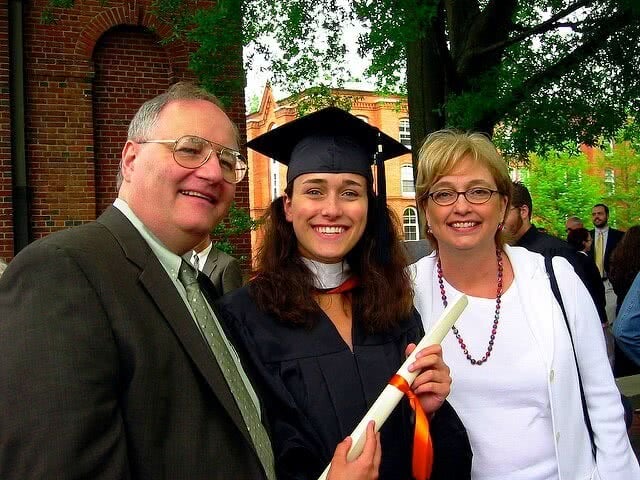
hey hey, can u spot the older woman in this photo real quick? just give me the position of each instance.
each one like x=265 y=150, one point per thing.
x=515 y=381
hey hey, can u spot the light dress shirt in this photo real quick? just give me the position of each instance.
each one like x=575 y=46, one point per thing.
x=171 y=263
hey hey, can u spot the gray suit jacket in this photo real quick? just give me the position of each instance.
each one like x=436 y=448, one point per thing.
x=104 y=374
x=222 y=269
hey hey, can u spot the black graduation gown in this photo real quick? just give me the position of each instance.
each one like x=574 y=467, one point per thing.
x=315 y=390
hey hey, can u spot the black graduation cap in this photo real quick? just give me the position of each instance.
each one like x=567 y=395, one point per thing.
x=330 y=141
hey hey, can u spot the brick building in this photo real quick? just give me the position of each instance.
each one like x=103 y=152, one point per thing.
x=67 y=93
x=388 y=113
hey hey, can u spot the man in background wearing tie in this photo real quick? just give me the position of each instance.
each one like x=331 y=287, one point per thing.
x=605 y=240
x=222 y=269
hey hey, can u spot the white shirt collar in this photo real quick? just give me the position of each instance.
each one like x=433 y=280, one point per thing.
x=169 y=260
x=328 y=275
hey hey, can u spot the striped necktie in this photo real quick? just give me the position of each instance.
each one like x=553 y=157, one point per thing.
x=211 y=331
x=195 y=261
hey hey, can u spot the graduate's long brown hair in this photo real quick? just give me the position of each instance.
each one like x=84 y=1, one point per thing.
x=283 y=285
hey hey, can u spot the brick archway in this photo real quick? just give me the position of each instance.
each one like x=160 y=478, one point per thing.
x=130 y=67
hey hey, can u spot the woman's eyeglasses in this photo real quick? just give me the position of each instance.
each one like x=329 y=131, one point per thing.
x=475 y=195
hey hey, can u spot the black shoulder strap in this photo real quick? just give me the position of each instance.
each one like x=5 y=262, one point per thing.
x=548 y=263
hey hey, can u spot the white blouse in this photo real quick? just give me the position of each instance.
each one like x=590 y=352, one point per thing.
x=503 y=403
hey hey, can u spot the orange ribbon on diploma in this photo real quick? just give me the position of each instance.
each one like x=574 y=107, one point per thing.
x=396 y=389
x=422 y=444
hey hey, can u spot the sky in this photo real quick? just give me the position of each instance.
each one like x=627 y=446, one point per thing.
x=259 y=74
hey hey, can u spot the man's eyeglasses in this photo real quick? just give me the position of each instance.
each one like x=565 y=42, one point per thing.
x=475 y=195
x=192 y=152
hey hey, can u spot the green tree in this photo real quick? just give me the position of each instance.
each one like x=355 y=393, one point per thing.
x=560 y=187
x=237 y=222
x=548 y=71
x=620 y=165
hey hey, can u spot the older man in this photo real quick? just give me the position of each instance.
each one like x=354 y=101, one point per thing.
x=572 y=223
x=113 y=364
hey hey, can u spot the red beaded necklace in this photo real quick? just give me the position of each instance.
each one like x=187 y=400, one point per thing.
x=496 y=317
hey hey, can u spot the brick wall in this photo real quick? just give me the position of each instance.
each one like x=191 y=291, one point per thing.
x=86 y=75
x=130 y=67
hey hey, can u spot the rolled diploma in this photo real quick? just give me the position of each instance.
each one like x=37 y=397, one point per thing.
x=390 y=396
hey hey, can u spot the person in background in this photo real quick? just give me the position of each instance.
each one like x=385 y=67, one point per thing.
x=113 y=363
x=572 y=223
x=328 y=316
x=624 y=265
x=525 y=234
x=222 y=269
x=580 y=239
x=605 y=240
x=515 y=378
x=626 y=328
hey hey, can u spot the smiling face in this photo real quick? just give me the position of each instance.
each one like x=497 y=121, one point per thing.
x=177 y=204
x=463 y=225
x=328 y=212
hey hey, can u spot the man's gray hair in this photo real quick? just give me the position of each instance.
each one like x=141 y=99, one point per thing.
x=147 y=115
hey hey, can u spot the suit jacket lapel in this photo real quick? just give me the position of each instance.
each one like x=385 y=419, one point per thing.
x=212 y=261
x=162 y=292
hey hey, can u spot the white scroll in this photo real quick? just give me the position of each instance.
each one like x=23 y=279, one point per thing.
x=390 y=396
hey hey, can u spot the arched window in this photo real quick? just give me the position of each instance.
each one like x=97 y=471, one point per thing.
x=410 y=224
x=407 y=186
x=363 y=118
x=405 y=132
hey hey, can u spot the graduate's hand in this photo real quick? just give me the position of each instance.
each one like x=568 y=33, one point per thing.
x=365 y=467
x=433 y=383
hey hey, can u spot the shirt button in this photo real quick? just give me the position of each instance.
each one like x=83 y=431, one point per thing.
x=551 y=375
x=557 y=437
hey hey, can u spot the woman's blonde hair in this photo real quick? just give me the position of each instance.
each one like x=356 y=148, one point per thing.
x=443 y=150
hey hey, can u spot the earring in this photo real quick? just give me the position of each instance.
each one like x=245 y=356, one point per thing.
x=428 y=228
x=500 y=226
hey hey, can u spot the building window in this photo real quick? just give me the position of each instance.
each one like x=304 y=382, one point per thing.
x=410 y=224
x=274 y=174
x=408 y=187
x=610 y=180
x=274 y=171
x=405 y=132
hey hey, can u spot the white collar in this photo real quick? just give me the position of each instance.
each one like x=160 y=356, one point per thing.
x=328 y=275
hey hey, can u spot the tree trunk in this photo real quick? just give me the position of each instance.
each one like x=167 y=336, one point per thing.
x=426 y=86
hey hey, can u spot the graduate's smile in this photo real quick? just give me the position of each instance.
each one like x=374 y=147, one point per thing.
x=328 y=212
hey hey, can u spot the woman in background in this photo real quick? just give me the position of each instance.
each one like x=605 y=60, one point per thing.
x=580 y=239
x=623 y=268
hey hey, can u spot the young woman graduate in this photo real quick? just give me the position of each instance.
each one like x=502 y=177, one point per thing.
x=327 y=319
